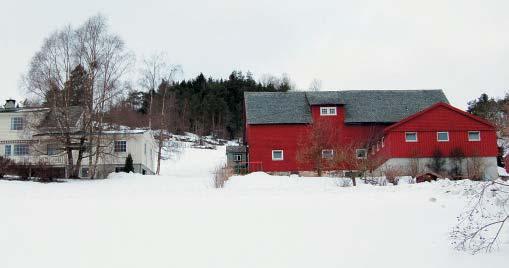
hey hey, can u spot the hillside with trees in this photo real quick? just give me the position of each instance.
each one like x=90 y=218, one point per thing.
x=201 y=105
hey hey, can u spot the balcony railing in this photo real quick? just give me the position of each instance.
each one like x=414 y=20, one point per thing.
x=34 y=159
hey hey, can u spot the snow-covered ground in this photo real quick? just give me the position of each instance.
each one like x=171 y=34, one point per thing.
x=178 y=220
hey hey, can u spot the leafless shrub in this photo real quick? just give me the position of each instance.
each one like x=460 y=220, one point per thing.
x=392 y=174
x=221 y=175
x=480 y=226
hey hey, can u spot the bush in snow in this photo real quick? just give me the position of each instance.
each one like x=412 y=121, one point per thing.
x=481 y=226
x=129 y=167
x=221 y=175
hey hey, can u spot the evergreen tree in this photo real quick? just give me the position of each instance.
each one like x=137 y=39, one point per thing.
x=76 y=87
x=129 y=167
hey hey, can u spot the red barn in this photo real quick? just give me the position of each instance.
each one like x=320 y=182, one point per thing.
x=393 y=127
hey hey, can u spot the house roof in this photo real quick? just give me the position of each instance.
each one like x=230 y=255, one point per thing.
x=54 y=117
x=362 y=106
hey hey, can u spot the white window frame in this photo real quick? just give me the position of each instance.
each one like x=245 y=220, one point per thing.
x=328 y=150
x=329 y=111
x=17 y=125
x=237 y=158
x=278 y=159
x=416 y=137
x=441 y=132
x=474 y=131
x=115 y=146
x=359 y=150
x=383 y=142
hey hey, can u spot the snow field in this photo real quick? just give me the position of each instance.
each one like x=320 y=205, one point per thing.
x=178 y=220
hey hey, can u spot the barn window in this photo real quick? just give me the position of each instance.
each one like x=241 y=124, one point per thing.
x=325 y=111
x=327 y=154
x=361 y=154
x=443 y=136
x=474 y=136
x=383 y=142
x=277 y=155
x=411 y=136
x=120 y=146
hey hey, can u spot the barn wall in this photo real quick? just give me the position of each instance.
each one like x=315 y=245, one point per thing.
x=262 y=139
x=442 y=119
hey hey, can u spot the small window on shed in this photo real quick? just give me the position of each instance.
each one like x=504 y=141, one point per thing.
x=443 y=136
x=277 y=155
x=237 y=157
x=474 y=136
x=327 y=111
x=411 y=136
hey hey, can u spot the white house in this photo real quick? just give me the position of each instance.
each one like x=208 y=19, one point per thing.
x=22 y=142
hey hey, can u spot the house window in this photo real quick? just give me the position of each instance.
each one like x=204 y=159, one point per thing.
x=277 y=155
x=17 y=123
x=237 y=157
x=21 y=149
x=328 y=111
x=411 y=136
x=327 y=154
x=474 y=136
x=85 y=172
x=52 y=149
x=361 y=154
x=8 y=150
x=443 y=136
x=120 y=146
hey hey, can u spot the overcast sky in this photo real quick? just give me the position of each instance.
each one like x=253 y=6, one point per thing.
x=460 y=46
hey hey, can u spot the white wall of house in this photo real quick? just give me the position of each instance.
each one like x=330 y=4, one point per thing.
x=139 y=143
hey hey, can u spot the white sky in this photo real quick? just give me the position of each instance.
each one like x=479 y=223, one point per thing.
x=460 y=46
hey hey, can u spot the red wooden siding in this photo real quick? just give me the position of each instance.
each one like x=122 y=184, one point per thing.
x=438 y=118
x=262 y=139
x=265 y=138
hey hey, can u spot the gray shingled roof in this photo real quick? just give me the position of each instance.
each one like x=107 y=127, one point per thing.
x=277 y=108
x=362 y=106
x=236 y=149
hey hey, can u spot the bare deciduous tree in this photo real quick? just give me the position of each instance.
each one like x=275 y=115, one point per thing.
x=104 y=60
x=315 y=85
x=479 y=228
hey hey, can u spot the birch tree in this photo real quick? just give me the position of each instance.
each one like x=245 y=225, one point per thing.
x=104 y=60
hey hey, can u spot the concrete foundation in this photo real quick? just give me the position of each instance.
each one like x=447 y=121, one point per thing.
x=487 y=166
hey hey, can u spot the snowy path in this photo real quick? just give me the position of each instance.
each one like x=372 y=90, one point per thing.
x=177 y=220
